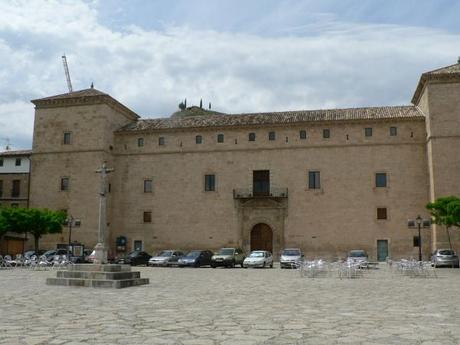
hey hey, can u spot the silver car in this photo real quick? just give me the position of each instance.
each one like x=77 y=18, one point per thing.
x=166 y=258
x=358 y=256
x=259 y=258
x=444 y=257
x=290 y=257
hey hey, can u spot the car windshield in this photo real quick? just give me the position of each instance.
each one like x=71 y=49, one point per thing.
x=193 y=254
x=446 y=252
x=165 y=253
x=257 y=255
x=291 y=252
x=226 y=251
x=357 y=254
x=49 y=252
x=134 y=253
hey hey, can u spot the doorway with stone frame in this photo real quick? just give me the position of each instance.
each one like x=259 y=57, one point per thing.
x=261 y=238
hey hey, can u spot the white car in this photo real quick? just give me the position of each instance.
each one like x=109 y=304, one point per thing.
x=259 y=258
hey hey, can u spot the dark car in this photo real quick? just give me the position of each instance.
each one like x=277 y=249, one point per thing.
x=196 y=258
x=28 y=254
x=444 y=257
x=49 y=254
x=135 y=258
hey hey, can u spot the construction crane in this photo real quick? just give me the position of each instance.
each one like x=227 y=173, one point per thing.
x=67 y=74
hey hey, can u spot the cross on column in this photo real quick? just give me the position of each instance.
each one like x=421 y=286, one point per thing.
x=102 y=229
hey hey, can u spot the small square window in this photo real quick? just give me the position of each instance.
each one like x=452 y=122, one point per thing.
x=326 y=133
x=67 y=138
x=148 y=186
x=140 y=142
x=368 y=132
x=303 y=134
x=18 y=162
x=314 y=180
x=147 y=217
x=199 y=139
x=393 y=131
x=161 y=141
x=220 y=138
x=64 y=183
x=271 y=136
x=380 y=179
x=252 y=137
x=382 y=213
x=209 y=183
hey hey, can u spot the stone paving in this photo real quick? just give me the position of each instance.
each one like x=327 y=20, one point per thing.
x=233 y=306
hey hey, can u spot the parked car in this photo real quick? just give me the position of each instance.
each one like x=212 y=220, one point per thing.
x=444 y=257
x=358 y=256
x=228 y=257
x=259 y=258
x=135 y=258
x=196 y=258
x=28 y=254
x=166 y=258
x=290 y=257
x=49 y=254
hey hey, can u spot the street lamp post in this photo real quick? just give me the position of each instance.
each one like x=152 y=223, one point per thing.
x=419 y=222
x=71 y=222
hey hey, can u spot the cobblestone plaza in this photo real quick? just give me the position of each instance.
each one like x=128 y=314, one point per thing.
x=233 y=306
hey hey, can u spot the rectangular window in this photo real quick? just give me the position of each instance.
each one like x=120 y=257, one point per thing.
x=209 y=183
x=314 y=180
x=303 y=134
x=252 y=137
x=380 y=179
x=161 y=141
x=271 y=136
x=64 y=183
x=368 y=132
x=140 y=142
x=382 y=213
x=148 y=186
x=16 y=191
x=416 y=241
x=393 y=131
x=1 y=188
x=67 y=138
x=138 y=245
x=220 y=138
x=326 y=133
x=1 y=162
x=147 y=216
x=18 y=162
x=199 y=139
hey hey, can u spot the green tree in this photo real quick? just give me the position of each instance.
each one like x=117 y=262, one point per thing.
x=37 y=222
x=445 y=211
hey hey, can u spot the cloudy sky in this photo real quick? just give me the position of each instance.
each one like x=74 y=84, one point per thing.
x=243 y=56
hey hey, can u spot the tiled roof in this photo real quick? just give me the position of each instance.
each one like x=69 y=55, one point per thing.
x=447 y=74
x=15 y=153
x=287 y=117
x=80 y=93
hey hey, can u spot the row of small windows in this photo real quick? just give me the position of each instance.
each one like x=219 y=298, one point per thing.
x=271 y=136
x=17 y=162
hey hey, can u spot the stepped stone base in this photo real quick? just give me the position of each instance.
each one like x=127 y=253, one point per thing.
x=98 y=276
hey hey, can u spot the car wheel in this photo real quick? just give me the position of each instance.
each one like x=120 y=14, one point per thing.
x=213 y=265
x=242 y=266
x=232 y=265
x=271 y=265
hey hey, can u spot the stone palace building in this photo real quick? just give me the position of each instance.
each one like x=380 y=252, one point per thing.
x=326 y=181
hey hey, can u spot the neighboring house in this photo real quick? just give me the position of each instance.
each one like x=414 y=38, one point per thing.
x=326 y=181
x=14 y=192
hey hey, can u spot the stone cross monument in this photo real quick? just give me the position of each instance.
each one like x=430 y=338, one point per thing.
x=102 y=247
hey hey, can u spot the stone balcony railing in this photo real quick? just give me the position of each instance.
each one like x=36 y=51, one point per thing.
x=249 y=193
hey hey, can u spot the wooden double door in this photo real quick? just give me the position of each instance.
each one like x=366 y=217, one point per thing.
x=262 y=238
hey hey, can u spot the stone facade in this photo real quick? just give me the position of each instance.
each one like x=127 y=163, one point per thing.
x=159 y=196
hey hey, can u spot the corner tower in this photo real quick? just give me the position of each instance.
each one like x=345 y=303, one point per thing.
x=438 y=97
x=73 y=135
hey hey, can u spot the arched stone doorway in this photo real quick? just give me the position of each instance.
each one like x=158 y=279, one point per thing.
x=262 y=237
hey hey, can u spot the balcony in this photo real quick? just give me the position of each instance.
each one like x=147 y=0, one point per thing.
x=249 y=193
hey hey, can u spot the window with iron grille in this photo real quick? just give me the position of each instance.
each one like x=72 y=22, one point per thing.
x=147 y=216
x=140 y=142
x=67 y=138
x=199 y=139
x=161 y=141
x=148 y=186
x=368 y=132
x=209 y=183
x=303 y=134
x=393 y=131
x=18 y=162
x=252 y=137
x=65 y=183
x=326 y=133
x=382 y=213
x=314 y=180
x=16 y=191
x=220 y=138
x=271 y=136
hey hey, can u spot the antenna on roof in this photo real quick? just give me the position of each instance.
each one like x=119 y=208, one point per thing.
x=7 y=146
x=67 y=74
x=209 y=105
x=92 y=85
x=201 y=102
x=458 y=59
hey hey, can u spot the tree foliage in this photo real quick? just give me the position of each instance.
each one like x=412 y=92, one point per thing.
x=445 y=211
x=37 y=222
